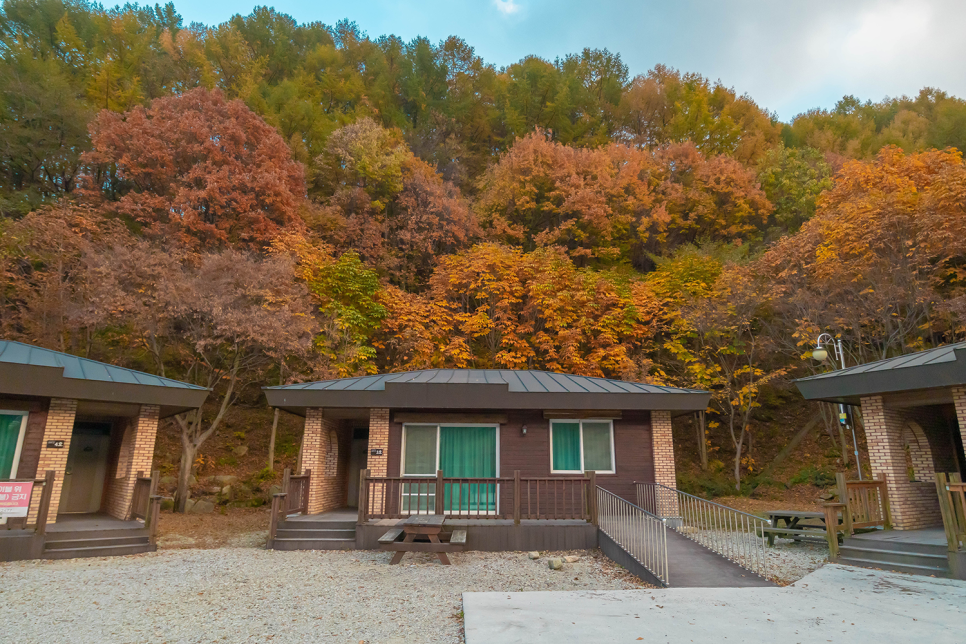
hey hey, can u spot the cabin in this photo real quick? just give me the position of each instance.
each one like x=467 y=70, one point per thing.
x=515 y=456
x=76 y=453
x=913 y=410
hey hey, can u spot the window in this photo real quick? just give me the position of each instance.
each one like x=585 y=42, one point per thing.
x=12 y=427
x=577 y=446
x=460 y=451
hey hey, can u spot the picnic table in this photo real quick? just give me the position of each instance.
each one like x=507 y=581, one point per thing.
x=797 y=524
x=423 y=526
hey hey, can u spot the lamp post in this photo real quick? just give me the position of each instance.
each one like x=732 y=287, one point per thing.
x=820 y=353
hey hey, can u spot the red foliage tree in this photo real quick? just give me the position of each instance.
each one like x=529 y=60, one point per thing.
x=196 y=165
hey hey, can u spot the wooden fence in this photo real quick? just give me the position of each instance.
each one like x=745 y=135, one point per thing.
x=952 y=502
x=144 y=489
x=517 y=498
x=293 y=499
x=866 y=503
x=42 y=490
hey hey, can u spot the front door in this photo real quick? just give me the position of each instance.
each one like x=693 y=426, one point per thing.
x=358 y=459
x=86 y=469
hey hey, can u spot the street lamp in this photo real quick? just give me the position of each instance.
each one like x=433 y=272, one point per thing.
x=820 y=353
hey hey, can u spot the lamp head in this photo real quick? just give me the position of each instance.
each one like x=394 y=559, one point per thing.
x=820 y=353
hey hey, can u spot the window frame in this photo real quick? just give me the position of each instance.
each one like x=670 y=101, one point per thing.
x=580 y=423
x=402 y=451
x=15 y=466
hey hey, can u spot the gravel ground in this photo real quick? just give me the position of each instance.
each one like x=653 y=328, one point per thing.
x=253 y=595
x=789 y=561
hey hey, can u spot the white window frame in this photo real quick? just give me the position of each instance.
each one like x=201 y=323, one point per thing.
x=23 y=432
x=580 y=423
x=402 y=459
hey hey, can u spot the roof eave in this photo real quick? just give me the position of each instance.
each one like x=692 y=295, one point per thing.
x=850 y=388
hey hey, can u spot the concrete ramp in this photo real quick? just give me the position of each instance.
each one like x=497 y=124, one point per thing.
x=833 y=604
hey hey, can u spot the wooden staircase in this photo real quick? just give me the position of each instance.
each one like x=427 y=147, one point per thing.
x=70 y=544
x=315 y=533
x=914 y=558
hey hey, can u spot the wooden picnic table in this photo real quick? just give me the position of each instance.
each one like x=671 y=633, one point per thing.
x=424 y=526
x=800 y=525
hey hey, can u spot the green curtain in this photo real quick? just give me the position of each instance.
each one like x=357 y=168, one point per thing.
x=597 y=454
x=9 y=435
x=468 y=452
x=566 y=446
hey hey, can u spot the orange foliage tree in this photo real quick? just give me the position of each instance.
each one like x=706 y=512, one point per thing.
x=207 y=170
x=498 y=307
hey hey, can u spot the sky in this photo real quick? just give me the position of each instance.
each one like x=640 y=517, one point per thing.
x=788 y=55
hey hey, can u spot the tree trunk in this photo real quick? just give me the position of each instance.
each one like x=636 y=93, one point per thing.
x=738 y=450
x=271 y=442
x=188 y=453
x=702 y=441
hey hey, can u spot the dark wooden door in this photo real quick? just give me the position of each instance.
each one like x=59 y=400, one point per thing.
x=86 y=469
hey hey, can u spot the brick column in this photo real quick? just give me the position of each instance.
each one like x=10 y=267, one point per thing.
x=60 y=426
x=378 y=439
x=315 y=452
x=136 y=455
x=662 y=446
x=959 y=398
x=913 y=504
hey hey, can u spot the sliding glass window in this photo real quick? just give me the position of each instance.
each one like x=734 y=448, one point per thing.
x=577 y=446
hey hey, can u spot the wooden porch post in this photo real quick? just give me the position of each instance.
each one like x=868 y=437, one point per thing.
x=363 y=496
x=516 y=497
x=439 y=492
x=45 y=496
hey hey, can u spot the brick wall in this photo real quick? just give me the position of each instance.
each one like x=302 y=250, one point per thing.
x=59 y=426
x=914 y=504
x=378 y=439
x=326 y=445
x=959 y=398
x=135 y=455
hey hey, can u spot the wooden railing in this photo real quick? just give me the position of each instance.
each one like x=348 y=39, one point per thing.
x=42 y=488
x=952 y=502
x=144 y=489
x=518 y=498
x=293 y=499
x=866 y=503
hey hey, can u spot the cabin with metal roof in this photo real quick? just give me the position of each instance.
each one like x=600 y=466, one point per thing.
x=474 y=444
x=913 y=410
x=76 y=452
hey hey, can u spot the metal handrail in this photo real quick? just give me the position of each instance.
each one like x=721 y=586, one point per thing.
x=639 y=533
x=738 y=536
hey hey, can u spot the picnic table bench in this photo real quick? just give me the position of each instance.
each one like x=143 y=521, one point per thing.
x=796 y=524
x=424 y=526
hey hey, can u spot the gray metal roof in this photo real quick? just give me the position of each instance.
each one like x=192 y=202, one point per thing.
x=35 y=371
x=933 y=368
x=483 y=389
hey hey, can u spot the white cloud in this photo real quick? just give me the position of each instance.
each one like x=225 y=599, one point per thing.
x=507 y=7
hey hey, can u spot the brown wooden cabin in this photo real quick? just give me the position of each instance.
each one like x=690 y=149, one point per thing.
x=82 y=433
x=512 y=455
x=913 y=410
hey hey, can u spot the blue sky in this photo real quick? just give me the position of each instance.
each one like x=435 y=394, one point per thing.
x=789 y=55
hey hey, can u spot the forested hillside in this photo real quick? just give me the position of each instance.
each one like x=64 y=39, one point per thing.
x=263 y=201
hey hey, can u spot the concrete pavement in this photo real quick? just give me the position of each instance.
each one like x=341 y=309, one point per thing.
x=833 y=604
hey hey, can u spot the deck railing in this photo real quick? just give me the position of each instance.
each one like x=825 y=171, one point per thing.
x=638 y=532
x=144 y=489
x=41 y=492
x=866 y=503
x=952 y=502
x=513 y=497
x=735 y=535
x=293 y=499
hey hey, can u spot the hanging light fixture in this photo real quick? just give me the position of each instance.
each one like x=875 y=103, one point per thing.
x=820 y=353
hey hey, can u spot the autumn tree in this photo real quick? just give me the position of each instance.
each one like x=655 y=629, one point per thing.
x=197 y=167
x=220 y=320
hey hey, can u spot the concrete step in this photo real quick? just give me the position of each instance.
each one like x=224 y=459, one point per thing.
x=313 y=544
x=895 y=567
x=894 y=556
x=67 y=535
x=67 y=544
x=103 y=551
x=902 y=546
x=290 y=533
x=315 y=524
